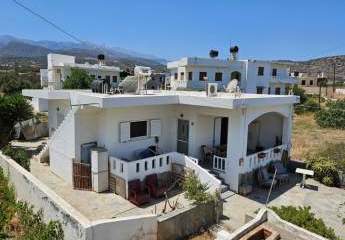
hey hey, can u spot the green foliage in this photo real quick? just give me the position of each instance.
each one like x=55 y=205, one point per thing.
x=78 y=79
x=299 y=92
x=12 y=82
x=333 y=115
x=327 y=162
x=19 y=155
x=195 y=190
x=30 y=225
x=303 y=217
x=13 y=109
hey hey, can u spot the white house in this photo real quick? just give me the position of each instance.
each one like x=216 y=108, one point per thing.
x=254 y=76
x=248 y=131
x=59 y=68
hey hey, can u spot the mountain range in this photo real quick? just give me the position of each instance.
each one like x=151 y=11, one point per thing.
x=12 y=48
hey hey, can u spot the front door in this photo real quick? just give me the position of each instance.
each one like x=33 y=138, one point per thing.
x=224 y=131
x=182 y=136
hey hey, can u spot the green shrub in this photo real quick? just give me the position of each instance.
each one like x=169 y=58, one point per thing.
x=30 y=224
x=333 y=116
x=303 y=217
x=326 y=163
x=299 y=92
x=19 y=155
x=195 y=190
x=311 y=105
x=78 y=79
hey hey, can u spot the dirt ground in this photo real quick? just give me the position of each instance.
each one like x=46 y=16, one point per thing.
x=307 y=136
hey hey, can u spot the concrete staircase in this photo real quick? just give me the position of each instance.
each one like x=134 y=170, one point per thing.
x=43 y=155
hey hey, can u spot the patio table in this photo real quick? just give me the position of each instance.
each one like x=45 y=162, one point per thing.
x=304 y=172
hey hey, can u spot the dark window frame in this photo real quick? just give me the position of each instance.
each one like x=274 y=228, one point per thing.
x=141 y=131
x=202 y=76
x=175 y=76
x=277 y=91
x=181 y=75
x=190 y=76
x=218 y=76
x=259 y=90
x=261 y=71
x=114 y=79
x=274 y=72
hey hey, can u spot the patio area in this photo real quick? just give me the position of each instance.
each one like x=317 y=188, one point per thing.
x=316 y=195
x=95 y=206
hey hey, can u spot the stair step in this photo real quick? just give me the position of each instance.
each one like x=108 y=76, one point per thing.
x=226 y=195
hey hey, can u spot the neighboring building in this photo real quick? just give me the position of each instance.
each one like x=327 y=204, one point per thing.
x=245 y=131
x=254 y=76
x=307 y=80
x=59 y=68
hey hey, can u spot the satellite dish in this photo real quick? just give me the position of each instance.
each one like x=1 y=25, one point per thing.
x=232 y=86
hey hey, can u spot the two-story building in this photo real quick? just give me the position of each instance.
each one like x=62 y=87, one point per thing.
x=254 y=76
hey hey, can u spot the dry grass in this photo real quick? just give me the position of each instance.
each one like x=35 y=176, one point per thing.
x=202 y=236
x=307 y=136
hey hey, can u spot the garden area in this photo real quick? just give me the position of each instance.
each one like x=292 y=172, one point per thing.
x=318 y=137
x=18 y=220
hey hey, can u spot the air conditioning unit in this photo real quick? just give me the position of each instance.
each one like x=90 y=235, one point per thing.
x=212 y=89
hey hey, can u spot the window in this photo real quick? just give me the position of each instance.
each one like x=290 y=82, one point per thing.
x=259 y=90
x=218 y=76
x=202 y=76
x=181 y=75
x=107 y=77
x=115 y=79
x=274 y=72
x=235 y=75
x=145 y=166
x=121 y=169
x=99 y=76
x=160 y=162
x=269 y=90
x=168 y=160
x=138 y=129
x=175 y=76
x=261 y=71
x=138 y=167
x=153 y=163
x=190 y=76
x=287 y=89
x=311 y=82
x=303 y=82
x=277 y=92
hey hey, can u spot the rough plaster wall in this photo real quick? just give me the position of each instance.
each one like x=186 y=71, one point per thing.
x=132 y=228
x=31 y=190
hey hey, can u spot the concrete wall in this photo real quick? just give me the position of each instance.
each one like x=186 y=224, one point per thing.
x=31 y=190
x=40 y=104
x=130 y=228
x=187 y=221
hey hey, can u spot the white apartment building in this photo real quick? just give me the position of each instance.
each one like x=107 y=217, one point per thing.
x=254 y=76
x=59 y=68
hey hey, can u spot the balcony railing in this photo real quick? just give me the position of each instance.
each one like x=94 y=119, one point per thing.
x=262 y=158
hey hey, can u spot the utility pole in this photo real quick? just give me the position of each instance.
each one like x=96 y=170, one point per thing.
x=334 y=66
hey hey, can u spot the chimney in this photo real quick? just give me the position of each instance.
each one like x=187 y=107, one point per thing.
x=233 y=53
x=101 y=59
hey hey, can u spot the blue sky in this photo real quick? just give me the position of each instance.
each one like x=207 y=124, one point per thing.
x=263 y=29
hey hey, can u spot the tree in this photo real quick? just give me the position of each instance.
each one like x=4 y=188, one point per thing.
x=13 y=109
x=78 y=79
x=299 y=92
x=13 y=83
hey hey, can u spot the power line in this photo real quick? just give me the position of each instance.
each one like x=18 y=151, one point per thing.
x=57 y=27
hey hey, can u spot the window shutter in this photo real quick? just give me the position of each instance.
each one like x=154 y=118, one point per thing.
x=155 y=128
x=124 y=132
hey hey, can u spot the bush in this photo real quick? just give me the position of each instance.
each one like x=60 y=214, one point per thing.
x=311 y=105
x=333 y=115
x=195 y=190
x=327 y=162
x=299 y=92
x=303 y=217
x=19 y=155
x=78 y=79
x=28 y=224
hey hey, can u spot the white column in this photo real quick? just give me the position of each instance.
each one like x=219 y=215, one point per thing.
x=287 y=129
x=237 y=144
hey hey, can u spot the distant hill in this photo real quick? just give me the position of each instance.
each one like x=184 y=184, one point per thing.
x=12 y=49
x=324 y=64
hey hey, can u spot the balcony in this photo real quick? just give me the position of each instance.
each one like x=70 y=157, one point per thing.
x=283 y=79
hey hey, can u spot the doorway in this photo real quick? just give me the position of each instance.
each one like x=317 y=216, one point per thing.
x=224 y=131
x=182 y=136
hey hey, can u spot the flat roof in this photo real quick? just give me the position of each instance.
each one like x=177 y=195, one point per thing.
x=162 y=97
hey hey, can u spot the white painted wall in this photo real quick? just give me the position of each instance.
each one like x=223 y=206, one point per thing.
x=56 y=107
x=40 y=104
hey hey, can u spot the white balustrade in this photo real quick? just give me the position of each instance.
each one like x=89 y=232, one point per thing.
x=262 y=158
x=219 y=163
